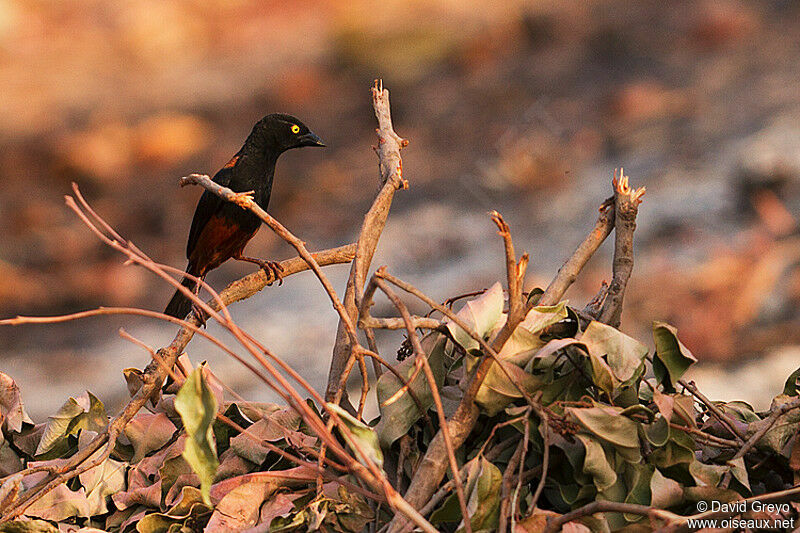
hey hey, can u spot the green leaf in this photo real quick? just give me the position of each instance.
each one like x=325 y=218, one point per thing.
x=360 y=436
x=672 y=357
x=679 y=449
x=449 y=511
x=782 y=430
x=707 y=494
x=399 y=415
x=739 y=472
x=739 y=410
x=482 y=490
x=607 y=423
x=624 y=354
x=483 y=503
x=526 y=335
x=658 y=432
x=707 y=475
x=480 y=315
x=790 y=388
x=198 y=408
x=596 y=463
x=665 y=492
x=497 y=391
x=637 y=481
x=84 y=412
x=616 y=358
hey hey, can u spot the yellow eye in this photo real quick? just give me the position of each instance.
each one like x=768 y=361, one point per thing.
x=295 y=128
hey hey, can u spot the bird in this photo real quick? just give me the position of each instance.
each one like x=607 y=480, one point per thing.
x=220 y=229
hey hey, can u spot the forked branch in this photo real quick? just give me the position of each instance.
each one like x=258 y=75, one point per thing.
x=391 y=172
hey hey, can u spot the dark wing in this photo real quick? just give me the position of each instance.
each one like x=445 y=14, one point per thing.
x=208 y=205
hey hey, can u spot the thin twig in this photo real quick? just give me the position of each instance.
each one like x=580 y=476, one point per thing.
x=419 y=322
x=602 y=506
x=763 y=426
x=710 y=439
x=515 y=273
x=515 y=496
x=437 y=400
x=505 y=487
x=545 y=462
x=712 y=407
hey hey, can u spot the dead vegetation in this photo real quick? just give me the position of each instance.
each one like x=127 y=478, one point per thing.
x=517 y=413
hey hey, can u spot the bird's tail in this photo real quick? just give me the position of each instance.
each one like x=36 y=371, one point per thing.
x=180 y=305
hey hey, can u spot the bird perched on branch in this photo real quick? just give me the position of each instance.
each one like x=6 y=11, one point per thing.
x=220 y=230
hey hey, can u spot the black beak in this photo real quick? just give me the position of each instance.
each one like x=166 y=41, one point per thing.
x=311 y=139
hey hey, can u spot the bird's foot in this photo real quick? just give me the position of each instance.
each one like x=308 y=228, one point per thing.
x=243 y=199
x=201 y=315
x=269 y=267
x=274 y=268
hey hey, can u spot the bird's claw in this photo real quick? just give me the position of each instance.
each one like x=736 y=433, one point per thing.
x=200 y=315
x=243 y=199
x=274 y=268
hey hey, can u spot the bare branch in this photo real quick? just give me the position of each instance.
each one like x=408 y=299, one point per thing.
x=391 y=171
x=418 y=322
x=505 y=490
x=514 y=272
x=626 y=207
x=601 y=506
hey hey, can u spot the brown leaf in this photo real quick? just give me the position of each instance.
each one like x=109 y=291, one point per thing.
x=139 y=492
x=239 y=509
x=188 y=479
x=231 y=465
x=664 y=402
x=60 y=504
x=535 y=523
x=279 y=505
x=148 y=432
x=298 y=475
x=12 y=412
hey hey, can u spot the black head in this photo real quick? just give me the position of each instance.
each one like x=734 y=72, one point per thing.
x=282 y=132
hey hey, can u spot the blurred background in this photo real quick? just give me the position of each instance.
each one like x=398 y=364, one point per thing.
x=523 y=107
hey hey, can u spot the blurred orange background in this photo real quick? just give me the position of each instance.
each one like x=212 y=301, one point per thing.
x=523 y=107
